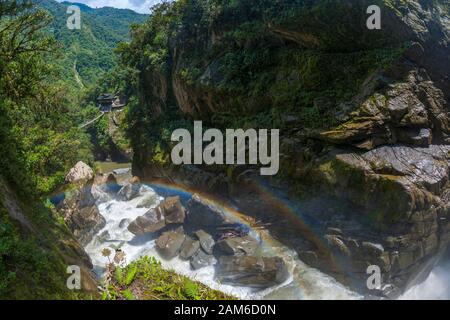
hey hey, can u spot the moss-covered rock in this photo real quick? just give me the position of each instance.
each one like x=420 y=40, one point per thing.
x=360 y=111
x=36 y=248
x=145 y=279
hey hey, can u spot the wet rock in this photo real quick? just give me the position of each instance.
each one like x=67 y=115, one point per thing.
x=152 y=221
x=124 y=223
x=104 y=187
x=189 y=248
x=206 y=241
x=390 y=291
x=107 y=182
x=374 y=249
x=104 y=236
x=336 y=243
x=85 y=223
x=417 y=137
x=334 y=231
x=122 y=171
x=169 y=243
x=237 y=246
x=172 y=210
x=201 y=259
x=250 y=271
x=129 y=192
x=79 y=209
x=147 y=201
x=80 y=173
x=203 y=216
x=309 y=257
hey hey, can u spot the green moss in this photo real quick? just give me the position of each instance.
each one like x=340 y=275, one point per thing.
x=145 y=279
x=392 y=201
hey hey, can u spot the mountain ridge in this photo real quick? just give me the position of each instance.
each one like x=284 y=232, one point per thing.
x=91 y=49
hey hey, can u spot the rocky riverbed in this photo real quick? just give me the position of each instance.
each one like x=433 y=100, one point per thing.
x=200 y=237
x=191 y=234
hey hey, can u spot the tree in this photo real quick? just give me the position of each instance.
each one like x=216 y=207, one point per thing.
x=38 y=135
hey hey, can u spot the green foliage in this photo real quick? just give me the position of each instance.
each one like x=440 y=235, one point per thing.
x=151 y=282
x=40 y=142
x=128 y=295
x=38 y=133
x=118 y=273
x=191 y=289
x=32 y=265
x=256 y=76
x=131 y=274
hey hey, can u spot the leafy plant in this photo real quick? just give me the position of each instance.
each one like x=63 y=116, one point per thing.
x=150 y=281
x=131 y=274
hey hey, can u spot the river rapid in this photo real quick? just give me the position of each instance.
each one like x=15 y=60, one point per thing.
x=304 y=282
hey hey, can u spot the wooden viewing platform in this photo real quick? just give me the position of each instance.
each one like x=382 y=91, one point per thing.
x=106 y=103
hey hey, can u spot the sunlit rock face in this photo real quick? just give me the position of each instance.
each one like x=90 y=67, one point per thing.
x=79 y=207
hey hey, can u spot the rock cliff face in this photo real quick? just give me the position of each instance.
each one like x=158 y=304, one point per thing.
x=79 y=208
x=364 y=119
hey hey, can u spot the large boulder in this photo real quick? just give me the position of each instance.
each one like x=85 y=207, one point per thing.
x=79 y=208
x=237 y=246
x=172 y=210
x=104 y=187
x=251 y=271
x=148 y=200
x=80 y=173
x=201 y=259
x=151 y=221
x=206 y=241
x=190 y=247
x=169 y=243
x=129 y=192
x=81 y=213
x=202 y=215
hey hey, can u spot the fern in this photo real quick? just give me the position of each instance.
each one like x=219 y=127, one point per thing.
x=119 y=276
x=105 y=295
x=128 y=294
x=191 y=289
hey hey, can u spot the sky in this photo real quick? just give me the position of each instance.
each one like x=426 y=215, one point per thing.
x=141 y=6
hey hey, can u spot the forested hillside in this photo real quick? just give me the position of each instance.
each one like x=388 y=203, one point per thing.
x=88 y=52
x=362 y=113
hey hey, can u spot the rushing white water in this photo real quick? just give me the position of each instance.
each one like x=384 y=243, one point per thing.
x=304 y=283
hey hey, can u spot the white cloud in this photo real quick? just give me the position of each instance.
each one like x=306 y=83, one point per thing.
x=142 y=6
